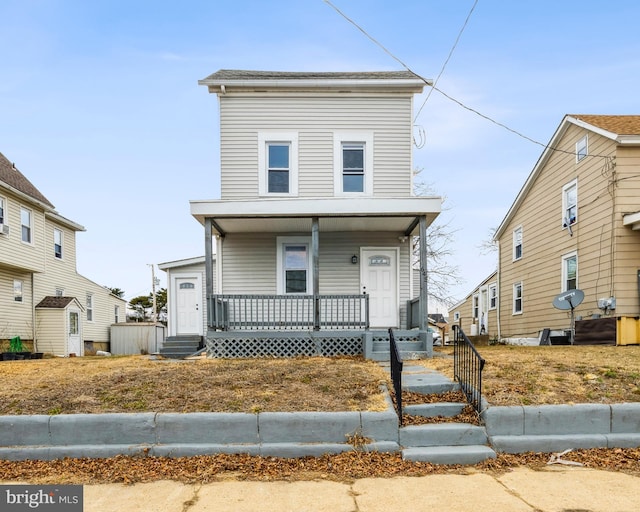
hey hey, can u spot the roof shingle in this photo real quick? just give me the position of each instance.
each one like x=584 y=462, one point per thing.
x=15 y=179
x=620 y=125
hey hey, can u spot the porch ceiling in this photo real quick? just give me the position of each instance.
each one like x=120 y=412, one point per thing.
x=336 y=214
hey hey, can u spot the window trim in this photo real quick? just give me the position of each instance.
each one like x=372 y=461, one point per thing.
x=456 y=316
x=55 y=254
x=565 y=205
x=493 y=296
x=582 y=148
x=514 y=256
x=265 y=138
x=521 y=298
x=281 y=243
x=564 y=273
x=90 y=307
x=4 y=208
x=352 y=137
x=30 y=226
x=18 y=290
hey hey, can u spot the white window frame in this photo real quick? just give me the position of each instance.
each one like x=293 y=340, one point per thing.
x=282 y=242
x=565 y=273
x=116 y=314
x=18 y=290
x=582 y=148
x=265 y=138
x=493 y=296
x=24 y=210
x=565 y=204
x=515 y=298
x=59 y=292
x=341 y=138
x=456 y=316
x=3 y=210
x=59 y=232
x=475 y=306
x=517 y=231
x=90 y=307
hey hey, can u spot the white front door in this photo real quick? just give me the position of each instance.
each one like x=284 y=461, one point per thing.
x=379 y=277
x=74 y=342
x=187 y=306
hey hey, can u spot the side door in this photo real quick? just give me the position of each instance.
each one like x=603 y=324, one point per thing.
x=379 y=278
x=74 y=340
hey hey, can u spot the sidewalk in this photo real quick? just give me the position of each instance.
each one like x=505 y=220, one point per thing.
x=555 y=489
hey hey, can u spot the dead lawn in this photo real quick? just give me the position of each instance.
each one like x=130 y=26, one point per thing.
x=554 y=374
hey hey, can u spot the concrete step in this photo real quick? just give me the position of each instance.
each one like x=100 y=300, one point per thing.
x=406 y=356
x=180 y=345
x=468 y=454
x=446 y=409
x=442 y=434
x=428 y=384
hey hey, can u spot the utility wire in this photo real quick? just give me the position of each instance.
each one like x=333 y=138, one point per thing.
x=428 y=83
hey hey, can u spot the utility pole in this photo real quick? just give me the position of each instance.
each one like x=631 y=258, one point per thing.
x=153 y=292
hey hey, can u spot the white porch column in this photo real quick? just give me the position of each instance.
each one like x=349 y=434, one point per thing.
x=424 y=297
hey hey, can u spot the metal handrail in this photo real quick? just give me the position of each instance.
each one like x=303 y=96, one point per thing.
x=467 y=368
x=396 y=373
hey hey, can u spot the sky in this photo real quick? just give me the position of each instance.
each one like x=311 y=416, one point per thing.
x=101 y=109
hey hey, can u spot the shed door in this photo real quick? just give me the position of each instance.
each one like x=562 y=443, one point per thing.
x=379 y=273
x=187 y=308
x=74 y=342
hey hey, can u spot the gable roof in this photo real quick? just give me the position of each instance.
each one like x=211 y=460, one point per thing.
x=15 y=180
x=240 y=78
x=623 y=130
x=53 y=302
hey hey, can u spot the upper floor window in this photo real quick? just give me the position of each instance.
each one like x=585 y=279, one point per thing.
x=517 y=243
x=277 y=161
x=26 y=222
x=456 y=316
x=582 y=148
x=570 y=272
x=570 y=204
x=59 y=292
x=517 y=298
x=89 y=307
x=2 y=207
x=293 y=259
x=17 y=290
x=353 y=163
x=57 y=243
x=493 y=296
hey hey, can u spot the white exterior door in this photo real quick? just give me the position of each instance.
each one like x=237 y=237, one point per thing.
x=74 y=341
x=188 y=307
x=379 y=278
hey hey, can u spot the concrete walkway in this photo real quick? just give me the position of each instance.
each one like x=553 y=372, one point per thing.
x=556 y=489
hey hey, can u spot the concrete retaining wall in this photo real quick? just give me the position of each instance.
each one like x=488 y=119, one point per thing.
x=552 y=428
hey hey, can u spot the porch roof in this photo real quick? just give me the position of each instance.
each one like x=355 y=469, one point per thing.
x=335 y=214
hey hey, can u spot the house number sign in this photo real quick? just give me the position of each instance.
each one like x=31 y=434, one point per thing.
x=379 y=261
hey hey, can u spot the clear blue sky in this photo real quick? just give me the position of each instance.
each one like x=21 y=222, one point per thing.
x=102 y=112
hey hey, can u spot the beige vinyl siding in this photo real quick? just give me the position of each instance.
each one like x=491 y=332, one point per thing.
x=250 y=263
x=545 y=242
x=52 y=331
x=12 y=250
x=315 y=117
x=16 y=318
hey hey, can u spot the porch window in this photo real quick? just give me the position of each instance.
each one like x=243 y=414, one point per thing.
x=493 y=296
x=277 y=164
x=570 y=272
x=353 y=167
x=517 y=243
x=295 y=268
x=57 y=243
x=570 y=204
x=25 y=220
x=517 y=298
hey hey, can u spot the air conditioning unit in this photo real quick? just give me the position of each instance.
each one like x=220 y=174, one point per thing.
x=4 y=229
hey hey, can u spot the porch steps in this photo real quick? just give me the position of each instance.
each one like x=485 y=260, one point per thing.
x=439 y=443
x=179 y=347
x=409 y=350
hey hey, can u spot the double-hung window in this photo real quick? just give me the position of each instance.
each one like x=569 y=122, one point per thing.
x=353 y=166
x=353 y=163
x=17 y=290
x=57 y=243
x=582 y=148
x=89 y=307
x=570 y=204
x=517 y=243
x=277 y=164
x=570 y=272
x=517 y=298
x=26 y=222
x=293 y=264
x=2 y=207
x=493 y=296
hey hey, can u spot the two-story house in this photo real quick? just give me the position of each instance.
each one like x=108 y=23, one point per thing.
x=312 y=233
x=575 y=225
x=43 y=299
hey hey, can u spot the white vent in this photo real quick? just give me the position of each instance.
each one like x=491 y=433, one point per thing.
x=4 y=229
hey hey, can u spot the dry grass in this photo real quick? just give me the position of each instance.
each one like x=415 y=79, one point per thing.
x=140 y=384
x=554 y=374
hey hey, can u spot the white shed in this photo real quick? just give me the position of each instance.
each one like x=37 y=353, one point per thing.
x=59 y=326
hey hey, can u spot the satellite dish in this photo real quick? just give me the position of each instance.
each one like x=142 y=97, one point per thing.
x=568 y=300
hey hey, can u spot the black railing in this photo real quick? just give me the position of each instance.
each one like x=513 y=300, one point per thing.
x=467 y=368
x=288 y=312
x=396 y=373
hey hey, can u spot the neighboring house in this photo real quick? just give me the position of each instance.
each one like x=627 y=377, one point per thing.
x=574 y=225
x=313 y=229
x=38 y=275
x=477 y=313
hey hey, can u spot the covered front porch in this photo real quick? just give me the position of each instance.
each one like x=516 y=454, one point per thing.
x=312 y=277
